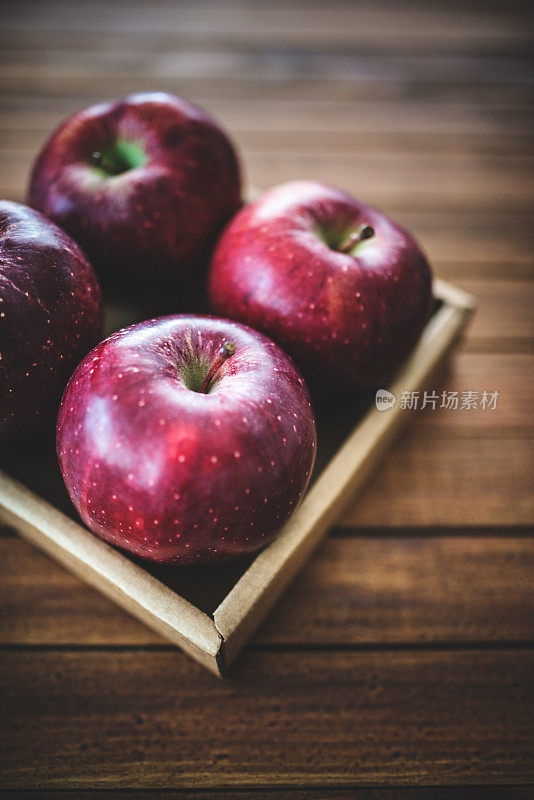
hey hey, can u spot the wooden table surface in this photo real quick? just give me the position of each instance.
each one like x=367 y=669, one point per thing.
x=403 y=655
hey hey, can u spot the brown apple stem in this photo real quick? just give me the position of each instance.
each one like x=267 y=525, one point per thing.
x=354 y=238
x=227 y=350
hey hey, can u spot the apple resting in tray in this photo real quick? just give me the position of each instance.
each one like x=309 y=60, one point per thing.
x=186 y=439
x=343 y=289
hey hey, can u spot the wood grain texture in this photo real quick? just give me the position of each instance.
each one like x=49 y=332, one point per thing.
x=508 y=373
x=504 y=321
x=284 y=719
x=425 y=110
x=358 y=590
x=325 y=793
x=302 y=22
x=453 y=481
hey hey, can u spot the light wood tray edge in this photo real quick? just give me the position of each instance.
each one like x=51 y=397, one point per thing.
x=100 y=566
x=216 y=642
x=253 y=596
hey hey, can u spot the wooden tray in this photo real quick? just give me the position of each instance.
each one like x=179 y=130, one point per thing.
x=210 y=612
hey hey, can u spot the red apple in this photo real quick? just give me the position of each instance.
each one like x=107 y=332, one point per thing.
x=144 y=184
x=50 y=316
x=340 y=286
x=186 y=439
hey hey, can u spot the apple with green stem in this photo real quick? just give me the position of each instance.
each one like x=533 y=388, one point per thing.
x=144 y=184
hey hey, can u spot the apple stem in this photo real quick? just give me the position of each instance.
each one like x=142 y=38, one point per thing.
x=227 y=350
x=354 y=238
x=98 y=160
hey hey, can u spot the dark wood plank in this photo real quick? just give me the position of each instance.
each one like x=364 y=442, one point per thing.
x=426 y=112
x=410 y=590
x=394 y=181
x=325 y=793
x=207 y=74
x=508 y=373
x=447 y=482
x=404 y=116
x=503 y=320
x=359 y=590
x=23 y=133
x=109 y=719
x=383 y=23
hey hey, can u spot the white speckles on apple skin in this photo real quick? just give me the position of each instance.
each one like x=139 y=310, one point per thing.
x=219 y=482
x=348 y=320
x=47 y=286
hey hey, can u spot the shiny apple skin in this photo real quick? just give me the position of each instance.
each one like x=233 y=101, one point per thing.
x=50 y=317
x=349 y=321
x=150 y=226
x=174 y=475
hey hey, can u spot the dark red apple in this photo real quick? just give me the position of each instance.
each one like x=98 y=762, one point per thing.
x=50 y=316
x=340 y=286
x=144 y=184
x=186 y=439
